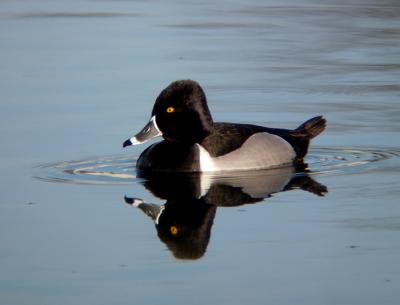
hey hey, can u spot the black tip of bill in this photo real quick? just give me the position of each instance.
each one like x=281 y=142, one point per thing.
x=127 y=143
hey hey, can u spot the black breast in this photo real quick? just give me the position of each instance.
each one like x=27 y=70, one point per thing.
x=169 y=156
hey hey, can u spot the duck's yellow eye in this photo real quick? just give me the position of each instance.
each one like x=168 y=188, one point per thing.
x=173 y=230
x=170 y=109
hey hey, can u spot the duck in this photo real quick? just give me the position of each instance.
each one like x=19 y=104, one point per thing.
x=193 y=142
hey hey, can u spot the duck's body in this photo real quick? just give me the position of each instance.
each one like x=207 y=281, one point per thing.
x=194 y=143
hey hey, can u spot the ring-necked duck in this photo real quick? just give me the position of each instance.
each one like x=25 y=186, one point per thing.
x=193 y=142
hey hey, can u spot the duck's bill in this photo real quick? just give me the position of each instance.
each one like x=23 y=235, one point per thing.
x=148 y=132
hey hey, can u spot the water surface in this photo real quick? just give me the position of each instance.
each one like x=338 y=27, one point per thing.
x=79 y=77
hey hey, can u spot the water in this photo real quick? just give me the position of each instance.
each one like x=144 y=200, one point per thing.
x=80 y=77
x=120 y=169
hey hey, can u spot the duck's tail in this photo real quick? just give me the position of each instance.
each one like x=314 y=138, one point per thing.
x=301 y=136
x=311 y=128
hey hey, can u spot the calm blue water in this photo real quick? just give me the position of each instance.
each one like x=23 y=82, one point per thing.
x=79 y=77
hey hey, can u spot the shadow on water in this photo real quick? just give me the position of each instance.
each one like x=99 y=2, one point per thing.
x=185 y=220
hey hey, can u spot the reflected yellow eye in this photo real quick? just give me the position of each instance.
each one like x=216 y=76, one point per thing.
x=170 y=109
x=173 y=230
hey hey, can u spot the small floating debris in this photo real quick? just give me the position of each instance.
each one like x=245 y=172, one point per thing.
x=353 y=247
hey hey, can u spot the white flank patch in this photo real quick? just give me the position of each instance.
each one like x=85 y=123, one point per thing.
x=206 y=162
x=260 y=151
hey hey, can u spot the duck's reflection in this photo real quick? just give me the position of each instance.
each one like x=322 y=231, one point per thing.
x=184 y=222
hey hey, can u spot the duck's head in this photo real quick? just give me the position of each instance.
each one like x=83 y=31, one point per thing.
x=180 y=114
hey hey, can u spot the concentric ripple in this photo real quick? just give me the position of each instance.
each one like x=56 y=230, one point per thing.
x=120 y=169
